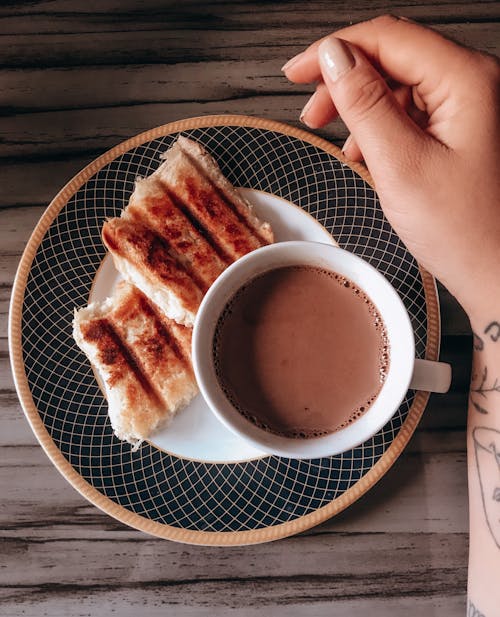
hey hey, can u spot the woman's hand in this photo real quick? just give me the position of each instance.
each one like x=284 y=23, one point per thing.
x=426 y=122
x=423 y=112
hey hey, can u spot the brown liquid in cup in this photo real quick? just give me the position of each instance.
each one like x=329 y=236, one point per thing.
x=301 y=351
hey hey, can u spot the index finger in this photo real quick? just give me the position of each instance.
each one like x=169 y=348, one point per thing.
x=406 y=51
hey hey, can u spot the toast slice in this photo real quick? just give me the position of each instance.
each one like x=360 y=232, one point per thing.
x=144 y=258
x=206 y=164
x=143 y=357
x=184 y=224
x=198 y=192
x=150 y=205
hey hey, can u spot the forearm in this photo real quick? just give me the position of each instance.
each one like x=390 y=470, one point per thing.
x=483 y=448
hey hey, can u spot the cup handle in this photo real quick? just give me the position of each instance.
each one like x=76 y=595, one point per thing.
x=431 y=376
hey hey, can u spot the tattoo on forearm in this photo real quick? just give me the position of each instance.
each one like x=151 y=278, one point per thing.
x=477 y=342
x=478 y=407
x=472 y=611
x=485 y=391
x=493 y=329
x=481 y=387
x=487 y=449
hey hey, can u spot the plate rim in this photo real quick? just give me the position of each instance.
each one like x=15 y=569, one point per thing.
x=104 y=503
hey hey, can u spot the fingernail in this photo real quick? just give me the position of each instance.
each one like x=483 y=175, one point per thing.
x=307 y=107
x=347 y=143
x=292 y=61
x=335 y=57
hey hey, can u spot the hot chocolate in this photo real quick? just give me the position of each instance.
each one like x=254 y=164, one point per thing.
x=301 y=351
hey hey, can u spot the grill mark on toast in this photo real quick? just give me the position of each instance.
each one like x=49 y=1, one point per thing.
x=189 y=239
x=201 y=198
x=163 y=326
x=181 y=261
x=152 y=249
x=214 y=215
x=116 y=355
x=155 y=348
x=200 y=228
x=183 y=338
x=202 y=171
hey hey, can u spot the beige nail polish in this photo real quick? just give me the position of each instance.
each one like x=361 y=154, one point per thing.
x=347 y=143
x=291 y=62
x=306 y=108
x=335 y=57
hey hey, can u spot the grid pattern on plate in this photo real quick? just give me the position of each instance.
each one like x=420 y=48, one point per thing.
x=167 y=489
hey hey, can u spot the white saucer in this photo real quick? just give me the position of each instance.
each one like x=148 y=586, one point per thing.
x=195 y=433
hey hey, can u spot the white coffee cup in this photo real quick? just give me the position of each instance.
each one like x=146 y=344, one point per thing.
x=404 y=370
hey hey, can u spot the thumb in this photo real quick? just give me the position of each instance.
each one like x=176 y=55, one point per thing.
x=383 y=131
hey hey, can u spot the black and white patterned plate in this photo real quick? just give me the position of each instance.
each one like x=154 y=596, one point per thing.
x=166 y=495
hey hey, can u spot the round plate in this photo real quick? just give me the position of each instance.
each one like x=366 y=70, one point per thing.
x=196 y=433
x=163 y=494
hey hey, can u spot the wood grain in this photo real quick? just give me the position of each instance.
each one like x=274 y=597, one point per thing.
x=79 y=77
x=162 y=600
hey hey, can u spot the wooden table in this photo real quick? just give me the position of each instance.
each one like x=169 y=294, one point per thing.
x=76 y=79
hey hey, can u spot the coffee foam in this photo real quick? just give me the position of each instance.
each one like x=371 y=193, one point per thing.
x=384 y=358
